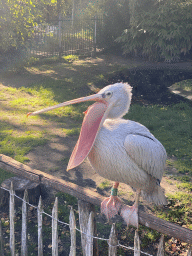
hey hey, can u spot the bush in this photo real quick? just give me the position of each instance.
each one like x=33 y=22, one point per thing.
x=160 y=30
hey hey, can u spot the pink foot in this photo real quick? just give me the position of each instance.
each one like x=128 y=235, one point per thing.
x=130 y=215
x=111 y=206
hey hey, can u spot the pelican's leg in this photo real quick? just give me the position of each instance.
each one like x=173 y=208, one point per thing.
x=130 y=214
x=111 y=205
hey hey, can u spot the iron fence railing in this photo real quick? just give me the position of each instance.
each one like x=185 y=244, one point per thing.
x=68 y=37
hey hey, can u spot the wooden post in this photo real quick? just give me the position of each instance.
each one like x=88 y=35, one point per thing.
x=160 y=251
x=72 y=226
x=40 y=226
x=54 y=228
x=136 y=244
x=24 y=225
x=12 y=217
x=84 y=209
x=1 y=240
x=90 y=233
x=113 y=242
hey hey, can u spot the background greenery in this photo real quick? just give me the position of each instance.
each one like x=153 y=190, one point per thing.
x=157 y=30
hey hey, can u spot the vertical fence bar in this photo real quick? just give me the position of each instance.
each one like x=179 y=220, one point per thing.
x=60 y=48
x=90 y=233
x=24 y=225
x=54 y=228
x=136 y=244
x=190 y=251
x=160 y=251
x=72 y=226
x=84 y=210
x=12 y=217
x=40 y=227
x=113 y=242
x=1 y=241
x=95 y=36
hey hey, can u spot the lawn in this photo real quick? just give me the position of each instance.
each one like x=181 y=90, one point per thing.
x=45 y=84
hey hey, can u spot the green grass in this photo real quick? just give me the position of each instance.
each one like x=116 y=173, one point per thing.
x=17 y=144
x=70 y=58
x=4 y=175
x=73 y=131
x=185 y=85
x=105 y=184
x=178 y=210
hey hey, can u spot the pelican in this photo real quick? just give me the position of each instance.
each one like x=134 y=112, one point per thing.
x=119 y=150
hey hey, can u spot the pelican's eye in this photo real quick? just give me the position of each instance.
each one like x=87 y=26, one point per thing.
x=108 y=94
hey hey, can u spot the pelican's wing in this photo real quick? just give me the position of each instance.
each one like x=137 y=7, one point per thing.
x=147 y=152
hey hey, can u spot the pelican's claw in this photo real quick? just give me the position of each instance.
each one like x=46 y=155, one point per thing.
x=111 y=206
x=130 y=215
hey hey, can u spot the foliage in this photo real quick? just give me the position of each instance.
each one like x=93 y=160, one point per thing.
x=17 y=19
x=159 y=29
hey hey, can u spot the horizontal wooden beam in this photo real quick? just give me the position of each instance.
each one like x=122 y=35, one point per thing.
x=148 y=220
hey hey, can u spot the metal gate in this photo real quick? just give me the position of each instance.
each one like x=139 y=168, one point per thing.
x=66 y=38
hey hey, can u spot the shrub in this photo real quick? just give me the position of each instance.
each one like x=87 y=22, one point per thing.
x=159 y=29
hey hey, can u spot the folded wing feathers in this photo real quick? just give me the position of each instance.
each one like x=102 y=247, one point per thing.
x=147 y=152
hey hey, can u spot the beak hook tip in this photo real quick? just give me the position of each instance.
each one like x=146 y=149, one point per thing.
x=28 y=114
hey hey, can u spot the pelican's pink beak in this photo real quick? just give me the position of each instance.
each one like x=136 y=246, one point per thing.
x=94 y=117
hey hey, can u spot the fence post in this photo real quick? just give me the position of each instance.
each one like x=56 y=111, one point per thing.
x=160 y=251
x=90 y=232
x=113 y=242
x=12 y=217
x=72 y=226
x=136 y=244
x=54 y=228
x=1 y=240
x=40 y=226
x=24 y=225
x=84 y=209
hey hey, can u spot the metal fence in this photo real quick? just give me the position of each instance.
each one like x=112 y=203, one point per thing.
x=68 y=37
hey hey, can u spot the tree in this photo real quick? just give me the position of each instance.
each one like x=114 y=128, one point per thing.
x=159 y=29
x=17 y=20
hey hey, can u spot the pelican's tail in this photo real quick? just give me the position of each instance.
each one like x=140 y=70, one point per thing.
x=156 y=196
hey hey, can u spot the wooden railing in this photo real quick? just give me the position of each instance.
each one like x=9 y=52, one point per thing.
x=87 y=200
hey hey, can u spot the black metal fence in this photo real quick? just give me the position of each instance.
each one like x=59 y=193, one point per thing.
x=67 y=37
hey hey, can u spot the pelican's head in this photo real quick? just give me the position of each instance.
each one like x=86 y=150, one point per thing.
x=112 y=101
x=118 y=97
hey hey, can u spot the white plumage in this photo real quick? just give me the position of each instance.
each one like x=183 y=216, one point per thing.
x=125 y=151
